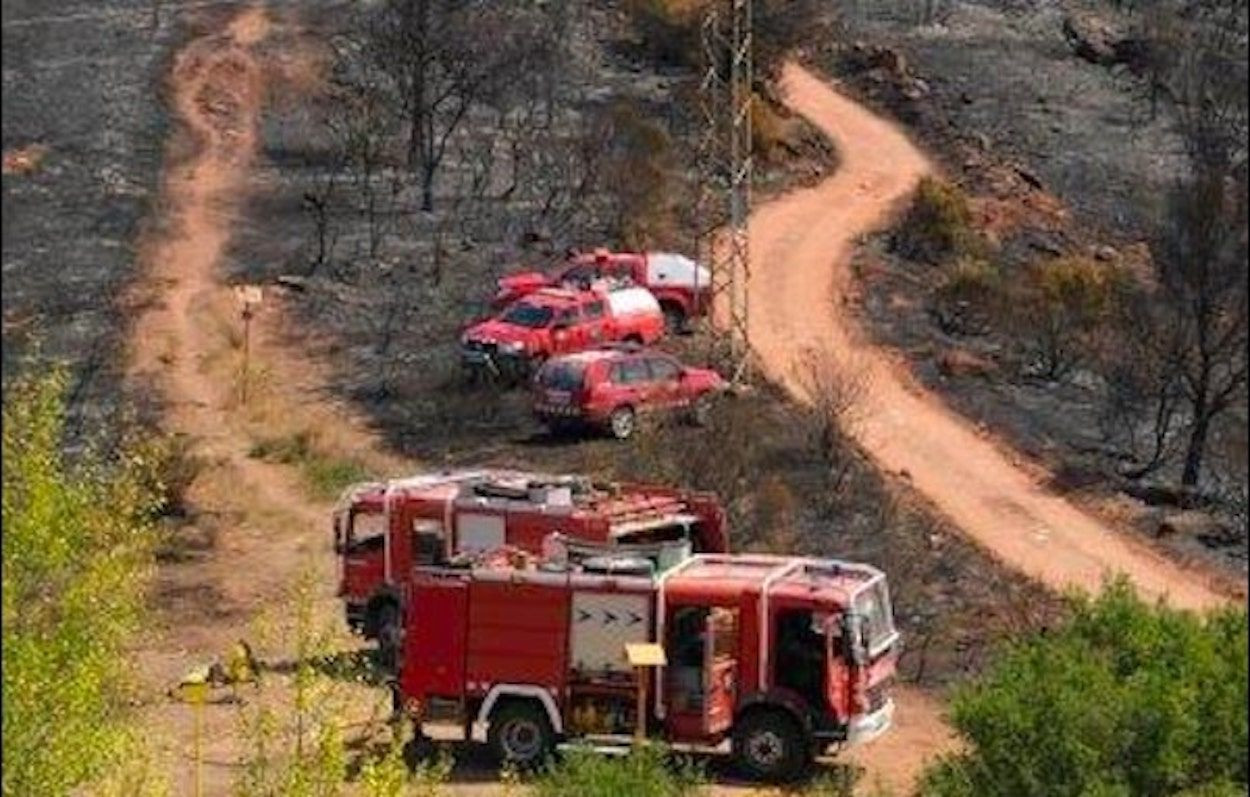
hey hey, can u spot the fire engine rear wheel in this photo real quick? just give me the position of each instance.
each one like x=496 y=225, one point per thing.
x=771 y=746
x=622 y=422
x=520 y=734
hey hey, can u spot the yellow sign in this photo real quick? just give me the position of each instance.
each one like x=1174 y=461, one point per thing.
x=645 y=654
x=194 y=687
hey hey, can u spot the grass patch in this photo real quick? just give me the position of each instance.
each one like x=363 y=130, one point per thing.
x=326 y=475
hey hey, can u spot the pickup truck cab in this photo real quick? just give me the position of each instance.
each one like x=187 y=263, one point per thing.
x=553 y=321
x=609 y=386
x=681 y=286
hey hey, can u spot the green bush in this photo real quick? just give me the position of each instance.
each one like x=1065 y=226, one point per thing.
x=969 y=298
x=1126 y=699
x=325 y=475
x=938 y=226
x=1058 y=309
x=78 y=548
x=647 y=771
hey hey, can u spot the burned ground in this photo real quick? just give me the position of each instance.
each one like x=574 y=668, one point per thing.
x=82 y=93
x=1059 y=157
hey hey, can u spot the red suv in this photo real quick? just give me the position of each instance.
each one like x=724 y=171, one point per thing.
x=610 y=386
x=554 y=321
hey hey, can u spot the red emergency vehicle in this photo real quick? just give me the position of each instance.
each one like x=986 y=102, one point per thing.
x=383 y=529
x=609 y=386
x=555 y=321
x=682 y=287
x=782 y=656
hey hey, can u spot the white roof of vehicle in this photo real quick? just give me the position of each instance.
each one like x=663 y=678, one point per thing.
x=668 y=268
x=633 y=301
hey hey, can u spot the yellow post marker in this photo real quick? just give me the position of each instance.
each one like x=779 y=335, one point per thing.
x=643 y=655
x=194 y=690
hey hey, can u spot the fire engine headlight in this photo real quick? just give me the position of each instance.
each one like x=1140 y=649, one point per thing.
x=512 y=347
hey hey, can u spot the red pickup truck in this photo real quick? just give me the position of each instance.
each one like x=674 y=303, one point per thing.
x=610 y=386
x=554 y=321
x=682 y=287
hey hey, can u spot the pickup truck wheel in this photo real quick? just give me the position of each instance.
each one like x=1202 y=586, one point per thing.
x=674 y=319
x=520 y=734
x=770 y=746
x=622 y=422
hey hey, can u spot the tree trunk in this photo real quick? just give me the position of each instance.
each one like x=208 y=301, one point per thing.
x=419 y=30
x=1197 y=444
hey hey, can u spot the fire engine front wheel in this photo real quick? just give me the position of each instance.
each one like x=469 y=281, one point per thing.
x=520 y=735
x=771 y=746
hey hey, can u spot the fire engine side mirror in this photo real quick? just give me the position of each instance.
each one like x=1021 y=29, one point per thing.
x=339 y=546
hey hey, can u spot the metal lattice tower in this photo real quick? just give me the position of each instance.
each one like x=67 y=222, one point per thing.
x=726 y=168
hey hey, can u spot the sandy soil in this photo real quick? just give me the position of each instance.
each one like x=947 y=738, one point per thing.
x=800 y=292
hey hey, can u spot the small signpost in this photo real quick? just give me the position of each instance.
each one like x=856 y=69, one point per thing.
x=643 y=655
x=249 y=297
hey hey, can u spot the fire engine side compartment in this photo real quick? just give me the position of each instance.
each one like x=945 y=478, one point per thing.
x=436 y=639
x=517 y=634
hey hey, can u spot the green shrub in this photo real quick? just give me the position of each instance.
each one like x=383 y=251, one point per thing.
x=1059 y=307
x=78 y=549
x=938 y=226
x=647 y=771
x=1126 y=699
x=325 y=475
x=969 y=298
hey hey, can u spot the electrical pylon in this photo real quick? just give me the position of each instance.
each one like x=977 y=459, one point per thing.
x=726 y=170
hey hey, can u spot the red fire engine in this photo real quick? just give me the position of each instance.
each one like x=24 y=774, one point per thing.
x=383 y=529
x=783 y=656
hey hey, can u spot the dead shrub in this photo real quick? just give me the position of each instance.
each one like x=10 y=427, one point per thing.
x=774 y=518
x=639 y=170
x=938 y=226
x=668 y=29
x=835 y=386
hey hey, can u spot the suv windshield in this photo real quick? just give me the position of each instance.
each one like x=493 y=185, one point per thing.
x=561 y=376
x=527 y=315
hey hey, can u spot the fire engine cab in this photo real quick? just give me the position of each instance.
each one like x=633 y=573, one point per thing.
x=782 y=656
x=383 y=529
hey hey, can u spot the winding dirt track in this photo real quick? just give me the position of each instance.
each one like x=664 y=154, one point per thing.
x=182 y=342
x=801 y=248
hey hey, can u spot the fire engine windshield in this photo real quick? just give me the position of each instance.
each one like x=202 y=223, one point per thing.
x=528 y=315
x=873 y=605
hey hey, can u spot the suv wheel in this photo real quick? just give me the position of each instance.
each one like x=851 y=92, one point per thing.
x=770 y=746
x=520 y=734
x=622 y=422
x=701 y=410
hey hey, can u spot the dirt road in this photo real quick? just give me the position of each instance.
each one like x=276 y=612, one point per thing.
x=801 y=247
x=263 y=527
